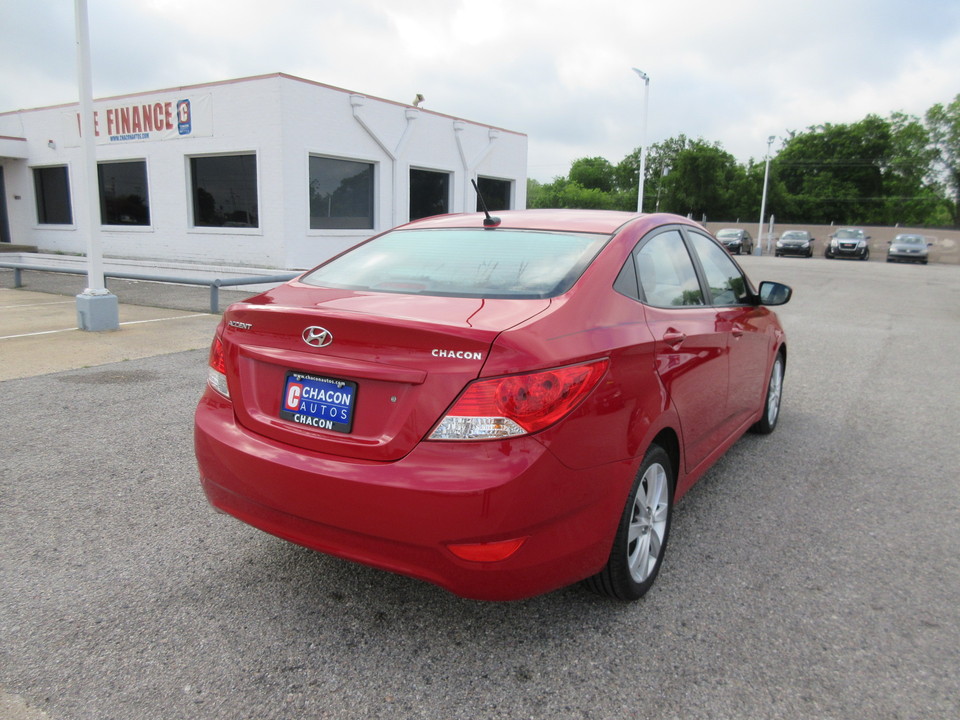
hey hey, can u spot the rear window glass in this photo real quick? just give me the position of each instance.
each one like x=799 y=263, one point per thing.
x=464 y=262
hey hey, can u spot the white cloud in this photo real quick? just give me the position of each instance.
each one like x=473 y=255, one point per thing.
x=557 y=70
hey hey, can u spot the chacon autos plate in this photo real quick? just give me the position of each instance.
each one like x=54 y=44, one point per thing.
x=320 y=402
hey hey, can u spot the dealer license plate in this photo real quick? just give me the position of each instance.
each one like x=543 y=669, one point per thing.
x=320 y=402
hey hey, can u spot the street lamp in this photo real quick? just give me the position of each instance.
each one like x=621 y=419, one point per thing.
x=643 y=136
x=763 y=200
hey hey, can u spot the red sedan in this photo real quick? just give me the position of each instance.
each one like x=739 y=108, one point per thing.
x=501 y=407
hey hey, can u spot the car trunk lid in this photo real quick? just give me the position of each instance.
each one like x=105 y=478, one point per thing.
x=377 y=374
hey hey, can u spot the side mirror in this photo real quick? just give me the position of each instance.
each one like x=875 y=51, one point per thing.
x=774 y=293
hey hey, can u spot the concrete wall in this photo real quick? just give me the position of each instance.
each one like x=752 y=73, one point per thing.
x=946 y=243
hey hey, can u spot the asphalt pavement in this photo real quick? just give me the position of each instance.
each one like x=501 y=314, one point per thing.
x=812 y=573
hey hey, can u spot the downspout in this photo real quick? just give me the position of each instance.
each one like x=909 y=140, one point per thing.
x=469 y=168
x=411 y=114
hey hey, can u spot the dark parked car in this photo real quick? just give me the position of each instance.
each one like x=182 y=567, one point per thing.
x=736 y=241
x=794 y=242
x=908 y=248
x=848 y=243
x=501 y=407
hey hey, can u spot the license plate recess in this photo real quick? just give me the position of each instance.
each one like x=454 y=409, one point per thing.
x=324 y=403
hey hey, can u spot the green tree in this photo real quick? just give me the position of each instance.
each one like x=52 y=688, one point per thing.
x=876 y=171
x=701 y=181
x=594 y=173
x=943 y=123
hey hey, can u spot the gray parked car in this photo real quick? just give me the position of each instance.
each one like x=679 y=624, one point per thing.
x=736 y=241
x=908 y=248
x=795 y=242
x=848 y=242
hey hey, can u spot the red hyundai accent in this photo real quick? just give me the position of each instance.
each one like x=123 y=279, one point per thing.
x=500 y=407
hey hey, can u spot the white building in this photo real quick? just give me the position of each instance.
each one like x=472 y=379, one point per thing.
x=271 y=171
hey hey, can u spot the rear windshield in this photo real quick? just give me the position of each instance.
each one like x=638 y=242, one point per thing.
x=464 y=262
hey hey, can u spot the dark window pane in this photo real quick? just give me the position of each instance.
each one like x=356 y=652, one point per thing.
x=225 y=191
x=123 y=193
x=666 y=272
x=496 y=193
x=341 y=194
x=429 y=193
x=53 y=196
x=727 y=284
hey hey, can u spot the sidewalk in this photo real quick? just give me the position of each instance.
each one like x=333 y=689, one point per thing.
x=39 y=335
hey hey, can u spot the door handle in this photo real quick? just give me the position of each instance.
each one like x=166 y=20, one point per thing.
x=674 y=338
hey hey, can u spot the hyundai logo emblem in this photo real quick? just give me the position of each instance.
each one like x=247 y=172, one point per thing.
x=317 y=337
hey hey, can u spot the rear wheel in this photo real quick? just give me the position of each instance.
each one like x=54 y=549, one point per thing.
x=642 y=534
x=771 y=408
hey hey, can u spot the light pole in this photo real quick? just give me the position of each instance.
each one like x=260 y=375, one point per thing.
x=763 y=200
x=643 y=136
x=97 y=307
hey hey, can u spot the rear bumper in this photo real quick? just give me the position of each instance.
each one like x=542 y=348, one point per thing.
x=401 y=516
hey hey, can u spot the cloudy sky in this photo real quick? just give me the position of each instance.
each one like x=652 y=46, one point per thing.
x=733 y=72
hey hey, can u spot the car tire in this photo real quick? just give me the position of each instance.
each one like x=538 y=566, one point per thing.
x=771 y=402
x=866 y=254
x=642 y=533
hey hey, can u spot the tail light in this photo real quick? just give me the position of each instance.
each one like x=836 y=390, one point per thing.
x=217 y=372
x=518 y=404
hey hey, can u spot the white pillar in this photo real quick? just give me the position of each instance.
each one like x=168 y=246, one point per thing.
x=97 y=308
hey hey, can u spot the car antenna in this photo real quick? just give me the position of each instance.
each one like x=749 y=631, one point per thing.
x=489 y=221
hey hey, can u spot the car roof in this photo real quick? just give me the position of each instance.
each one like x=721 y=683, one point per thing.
x=594 y=221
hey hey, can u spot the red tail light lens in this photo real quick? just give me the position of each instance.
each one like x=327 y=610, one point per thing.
x=518 y=404
x=217 y=372
x=216 y=356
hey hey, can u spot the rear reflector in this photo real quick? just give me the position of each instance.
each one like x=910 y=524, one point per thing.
x=487 y=552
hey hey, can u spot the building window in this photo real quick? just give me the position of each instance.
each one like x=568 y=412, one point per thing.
x=52 y=185
x=123 y=193
x=225 y=191
x=496 y=194
x=341 y=194
x=429 y=193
